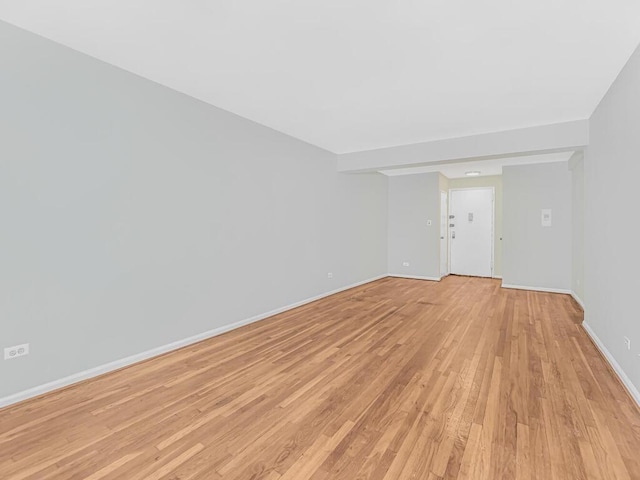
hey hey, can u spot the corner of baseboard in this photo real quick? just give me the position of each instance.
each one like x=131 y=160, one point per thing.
x=577 y=298
x=615 y=366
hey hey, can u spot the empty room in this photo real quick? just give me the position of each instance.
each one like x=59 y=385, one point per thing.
x=319 y=240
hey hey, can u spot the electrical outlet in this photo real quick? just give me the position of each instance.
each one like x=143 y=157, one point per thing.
x=627 y=343
x=405 y=264
x=16 y=351
x=329 y=275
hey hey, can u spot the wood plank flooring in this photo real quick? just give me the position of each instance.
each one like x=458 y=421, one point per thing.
x=397 y=379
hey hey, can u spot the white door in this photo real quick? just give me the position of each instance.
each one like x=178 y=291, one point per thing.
x=471 y=231
x=444 y=219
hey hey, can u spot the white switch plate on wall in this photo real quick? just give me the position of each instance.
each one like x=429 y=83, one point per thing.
x=546 y=217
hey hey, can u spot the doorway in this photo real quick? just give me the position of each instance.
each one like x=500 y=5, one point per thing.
x=471 y=225
x=444 y=247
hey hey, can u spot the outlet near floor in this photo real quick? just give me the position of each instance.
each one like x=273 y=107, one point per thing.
x=16 y=351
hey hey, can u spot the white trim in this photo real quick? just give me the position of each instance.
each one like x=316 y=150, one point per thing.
x=499 y=277
x=537 y=289
x=415 y=277
x=445 y=233
x=154 y=352
x=577 y=299
x=633 y=391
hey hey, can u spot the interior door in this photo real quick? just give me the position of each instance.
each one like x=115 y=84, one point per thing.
x=444 y=220
x=471 y=231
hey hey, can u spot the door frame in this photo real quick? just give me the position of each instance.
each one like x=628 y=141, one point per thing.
x=493 y=224
x=446 y=234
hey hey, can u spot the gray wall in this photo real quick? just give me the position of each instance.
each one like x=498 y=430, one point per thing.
x=532 y=255
x=576 y=164
x=133 y=216
x=414 y=199
x=612 y=252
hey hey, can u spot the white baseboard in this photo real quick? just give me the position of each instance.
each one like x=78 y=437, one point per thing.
x=414 y=277
x=154 y=352
x=633 y=391
x=537 y=289
x=577 y=299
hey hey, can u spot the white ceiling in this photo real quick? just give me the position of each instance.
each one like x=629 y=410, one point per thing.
x=351 y=75
x=491 y=166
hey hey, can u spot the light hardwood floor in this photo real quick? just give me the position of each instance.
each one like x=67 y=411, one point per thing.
x=397 y=379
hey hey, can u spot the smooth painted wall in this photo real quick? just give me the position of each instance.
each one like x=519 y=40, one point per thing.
x=413 y=200
x=535 y=256
x=134 y=216
x=612 y=200
x=576 y=164
x=494 y=181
